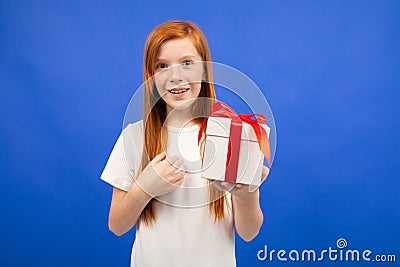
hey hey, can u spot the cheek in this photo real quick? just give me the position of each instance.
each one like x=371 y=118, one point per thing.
x=159 y=81
x=195 y=88
x=195 y=76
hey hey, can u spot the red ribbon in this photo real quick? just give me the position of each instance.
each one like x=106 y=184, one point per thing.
x=222 y=110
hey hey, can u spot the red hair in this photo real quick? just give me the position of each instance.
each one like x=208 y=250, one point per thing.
x=154 y=108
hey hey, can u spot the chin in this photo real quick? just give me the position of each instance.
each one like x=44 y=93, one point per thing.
x=181 y=105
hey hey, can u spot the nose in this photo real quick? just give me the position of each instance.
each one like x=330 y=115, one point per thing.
x=175 y=74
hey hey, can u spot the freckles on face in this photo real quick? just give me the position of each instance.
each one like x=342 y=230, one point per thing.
x=179 y=71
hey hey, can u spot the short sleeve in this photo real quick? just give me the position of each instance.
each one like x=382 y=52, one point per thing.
x=125 y=158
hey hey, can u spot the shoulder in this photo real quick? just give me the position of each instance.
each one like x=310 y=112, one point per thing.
x=133 y=132
x=135 y=127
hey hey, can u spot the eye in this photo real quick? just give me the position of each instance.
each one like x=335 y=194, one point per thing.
x=187 y=63
x=161 y=66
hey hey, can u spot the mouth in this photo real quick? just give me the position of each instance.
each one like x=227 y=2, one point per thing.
x=178 y=91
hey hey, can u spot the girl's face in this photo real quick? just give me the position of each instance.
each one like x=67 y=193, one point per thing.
x=178 y=73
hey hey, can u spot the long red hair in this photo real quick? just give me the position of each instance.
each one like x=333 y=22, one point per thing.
x=154 y=108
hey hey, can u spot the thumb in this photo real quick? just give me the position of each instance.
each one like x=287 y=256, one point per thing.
x=159 y=157
x=253 y=188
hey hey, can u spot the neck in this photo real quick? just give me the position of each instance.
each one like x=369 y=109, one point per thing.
x=180 y=118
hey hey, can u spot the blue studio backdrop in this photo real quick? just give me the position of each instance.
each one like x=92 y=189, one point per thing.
x=329 y=70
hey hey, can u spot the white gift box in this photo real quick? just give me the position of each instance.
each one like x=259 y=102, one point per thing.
x=249 y=168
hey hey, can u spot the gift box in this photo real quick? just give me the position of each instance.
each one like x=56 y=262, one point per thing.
x=235 y=146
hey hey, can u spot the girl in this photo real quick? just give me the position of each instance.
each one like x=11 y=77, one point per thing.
x=182 y=219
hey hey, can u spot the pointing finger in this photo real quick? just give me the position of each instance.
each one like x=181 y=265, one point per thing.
x=159 y=157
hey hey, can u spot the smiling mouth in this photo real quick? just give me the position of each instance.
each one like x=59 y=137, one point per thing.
x=178 y=91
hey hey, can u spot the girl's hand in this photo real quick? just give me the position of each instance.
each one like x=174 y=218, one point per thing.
x=161 y=175
x=241 y=190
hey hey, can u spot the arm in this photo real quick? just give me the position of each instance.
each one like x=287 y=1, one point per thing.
x=247 y=213
x=126 y=208
x=159 y=177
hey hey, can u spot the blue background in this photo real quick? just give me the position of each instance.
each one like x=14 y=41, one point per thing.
x=329 y=69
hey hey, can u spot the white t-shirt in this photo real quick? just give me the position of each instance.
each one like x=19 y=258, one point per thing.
x=184 y=233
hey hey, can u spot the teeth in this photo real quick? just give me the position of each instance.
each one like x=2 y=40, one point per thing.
x=178 y=91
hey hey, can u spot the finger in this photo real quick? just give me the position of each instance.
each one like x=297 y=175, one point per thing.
x=217 y=184
x=168 y=161
x=264 y=178
x=176 y=162
x=253 y=188
x=174 y=166
x=225 y=186
x=159 y=157
x=179 y=182
x=178 y=176
x=265 y=173
x=228 y=186
x=173 y=158
x=181 y=173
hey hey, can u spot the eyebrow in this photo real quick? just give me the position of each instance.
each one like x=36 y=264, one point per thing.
x=182 y=57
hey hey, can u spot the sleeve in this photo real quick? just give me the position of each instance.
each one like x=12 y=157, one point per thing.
x=124 y=159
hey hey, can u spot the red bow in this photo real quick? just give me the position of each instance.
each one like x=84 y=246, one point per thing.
x=222 y=110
